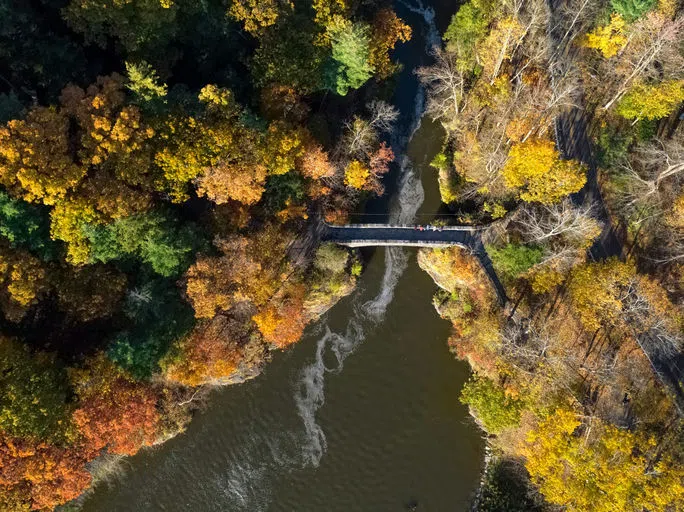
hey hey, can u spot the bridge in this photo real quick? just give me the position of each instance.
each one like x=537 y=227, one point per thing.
x=401 y=235
x=367 y=235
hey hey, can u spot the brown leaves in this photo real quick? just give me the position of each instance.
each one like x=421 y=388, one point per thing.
x=237 y=182
x=213 y=353
x=39 y=475
x=388 y=30
x=114 y=412
x=248 y=270
x=315 y=164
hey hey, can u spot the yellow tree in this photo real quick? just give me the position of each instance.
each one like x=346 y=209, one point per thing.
x=608 y=39
x=498 y=47
x=645 y=101
x=604 y=470
x=281 y=147
x=225 y=182
x=357 y=175
x=282 y=320
x=113 y=134
x=387 y=31
x=66 y=221
x=327 y=10
x=255 y=15
x=596 y=291
x=36 y=163
x=23 y=278
x=536 y=169
x=214 y=143
x=249 y=269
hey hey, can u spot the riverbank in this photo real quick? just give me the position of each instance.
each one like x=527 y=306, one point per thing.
x=362 y=414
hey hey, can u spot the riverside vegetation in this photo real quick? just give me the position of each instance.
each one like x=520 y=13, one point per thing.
x=563 y=129
x=157 y=159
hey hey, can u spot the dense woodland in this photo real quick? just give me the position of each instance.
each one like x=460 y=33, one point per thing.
x=162 y=160
x=564 y=131
x=157 y=160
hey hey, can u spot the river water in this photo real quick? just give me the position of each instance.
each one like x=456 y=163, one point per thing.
x=363 y=413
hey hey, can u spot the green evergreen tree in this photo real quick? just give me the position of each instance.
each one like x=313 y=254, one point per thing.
x=158 y=316
x=27 y=226
x=632 y=9
x=154 y=237
x=490 y=404
x=350 y=67
x=512 y=260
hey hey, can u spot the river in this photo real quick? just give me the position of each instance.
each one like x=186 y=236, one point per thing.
x=361 y=415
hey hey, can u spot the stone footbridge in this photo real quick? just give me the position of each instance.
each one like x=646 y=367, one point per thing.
x=391 y=235
x=366 y=235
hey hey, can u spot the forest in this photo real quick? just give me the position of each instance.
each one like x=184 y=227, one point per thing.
x=163 y=164
x=158 y=161
x=564 y=135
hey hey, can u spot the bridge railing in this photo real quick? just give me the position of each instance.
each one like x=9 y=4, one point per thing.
x=405 y=243
x=470 y=229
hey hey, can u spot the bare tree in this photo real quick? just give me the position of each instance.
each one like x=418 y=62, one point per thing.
x=361 y=135
x=661 y=160
x=652 y=38
x=445 y=84
x=382 y=115
x=650 y=181
x=564 y=229
x=657 y=332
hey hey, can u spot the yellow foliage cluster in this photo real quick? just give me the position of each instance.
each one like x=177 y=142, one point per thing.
x=611 y=470
x=35 y=159
x=282 y=147
x=651 y=101
x=328 y=10
x=535 y=167
x=388 y=29
x=257 y=15
x=248 y=270
x=66 y=220
x=282 y=321
x=596 y=289
x=609 y=39
x=24 y=278
x=497 y=48
x=110 y=128
x=226 y=182
x=356 y=175
x=545 y=279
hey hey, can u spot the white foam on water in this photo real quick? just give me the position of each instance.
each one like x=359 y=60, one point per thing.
x=244 y=484
x=310 y=395
x=432 y=38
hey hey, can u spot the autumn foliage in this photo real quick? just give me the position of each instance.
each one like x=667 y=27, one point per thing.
x=154 y=222
x=114 y=412
x=35 y=475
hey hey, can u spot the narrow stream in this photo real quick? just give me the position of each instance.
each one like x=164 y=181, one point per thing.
x=363 y=414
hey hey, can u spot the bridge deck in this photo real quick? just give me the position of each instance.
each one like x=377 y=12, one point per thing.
x=366 y=235
x=378 y=234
